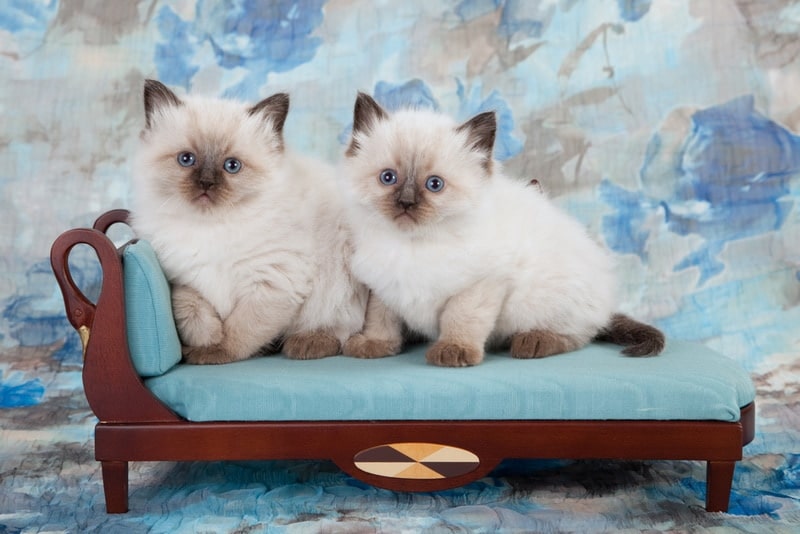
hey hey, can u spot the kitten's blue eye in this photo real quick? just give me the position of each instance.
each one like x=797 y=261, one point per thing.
x=434 y=184
x=186 y=159
x=388 y=177
x=232 y=165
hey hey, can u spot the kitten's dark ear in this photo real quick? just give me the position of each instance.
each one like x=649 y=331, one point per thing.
x=366 y=113
x=157 y=95
x=275 y=108
x=481 y=130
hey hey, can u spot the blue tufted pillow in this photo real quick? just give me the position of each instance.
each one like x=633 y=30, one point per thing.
x=152 y=336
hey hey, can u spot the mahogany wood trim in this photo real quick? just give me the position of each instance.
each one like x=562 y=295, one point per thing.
x=718 y=443
x=109 y=218
x=719 y=479
x=747 y=418
x=80 y=310
x=115 y=486
x=181 y=441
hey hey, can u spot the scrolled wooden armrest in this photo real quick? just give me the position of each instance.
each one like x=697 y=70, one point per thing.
x=80 y=310
x=113 y=387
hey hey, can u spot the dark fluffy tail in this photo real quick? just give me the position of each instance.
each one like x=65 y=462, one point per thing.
x=639 y=339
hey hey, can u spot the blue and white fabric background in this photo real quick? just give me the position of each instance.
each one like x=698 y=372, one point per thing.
x=670 y=127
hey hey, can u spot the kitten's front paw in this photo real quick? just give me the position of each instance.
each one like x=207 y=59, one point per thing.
x=449 y=354
x=541 y=343
x=360 y=346
x=210 y=355
x=311 y=345
x=197 y=321
x=203 y=333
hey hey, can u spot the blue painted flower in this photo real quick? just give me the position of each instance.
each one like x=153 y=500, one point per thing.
x=734 y=170
x=788 y=475
x=741 y=503
x=261 y=36
x=174 y=58
x=27 y=20
x=472 y=9
x=517 y=17
x=15 y=392
x=734 y=156
x=623 y=229
x=506 y=144
x=31 y=316
x=633 y=10
x=31 y=324
x=72 y=349
x=413 y=93
x=416 y=93
x=730 y=180
x=393 y=96
x=36 y=316
x=24 y=15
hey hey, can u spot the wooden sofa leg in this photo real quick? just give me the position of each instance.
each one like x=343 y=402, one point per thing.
x=115 y=486
x=719 y=478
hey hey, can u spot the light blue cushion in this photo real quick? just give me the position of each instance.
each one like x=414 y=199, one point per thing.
x=686 y=381
x=152 y=336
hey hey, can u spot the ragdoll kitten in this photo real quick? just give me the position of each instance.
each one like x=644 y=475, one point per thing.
x=249 y=235
x=463 y=254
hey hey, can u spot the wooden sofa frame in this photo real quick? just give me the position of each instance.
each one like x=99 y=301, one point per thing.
x=134 y=425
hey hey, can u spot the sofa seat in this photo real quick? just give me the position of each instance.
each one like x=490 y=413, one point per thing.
x=686 y=382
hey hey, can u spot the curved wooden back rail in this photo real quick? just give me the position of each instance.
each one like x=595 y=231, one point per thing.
x=111 y=217
x=135 y=426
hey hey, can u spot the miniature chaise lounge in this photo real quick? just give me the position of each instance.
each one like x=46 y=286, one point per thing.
x=395 y=422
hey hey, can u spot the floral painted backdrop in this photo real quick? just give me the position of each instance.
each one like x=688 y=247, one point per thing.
x=670 y=127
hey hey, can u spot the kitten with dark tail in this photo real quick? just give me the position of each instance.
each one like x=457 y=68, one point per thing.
x=454 y=250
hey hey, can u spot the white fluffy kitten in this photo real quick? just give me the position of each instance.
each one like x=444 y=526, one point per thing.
x=465 y=255
x=249 y=235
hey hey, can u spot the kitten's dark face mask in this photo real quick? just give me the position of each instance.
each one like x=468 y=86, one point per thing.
x=414 y=188
x=208 y=173
x=207 y=179
x=408 y=195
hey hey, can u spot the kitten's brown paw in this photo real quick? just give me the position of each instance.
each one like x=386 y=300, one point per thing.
x=360 y=346
x=311 y=346
x=448 y=354
x=197 y=321
x=211 y=355
x=201 y=333
x=541 y=343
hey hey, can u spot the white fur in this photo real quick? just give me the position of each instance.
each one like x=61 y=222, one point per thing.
x=489 y=231
x=283 y=236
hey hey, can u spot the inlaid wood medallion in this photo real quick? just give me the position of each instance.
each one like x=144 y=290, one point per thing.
x=421 y=461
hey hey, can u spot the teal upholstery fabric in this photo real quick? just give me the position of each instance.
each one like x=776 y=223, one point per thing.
x=152 y=336
x=687 y=381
